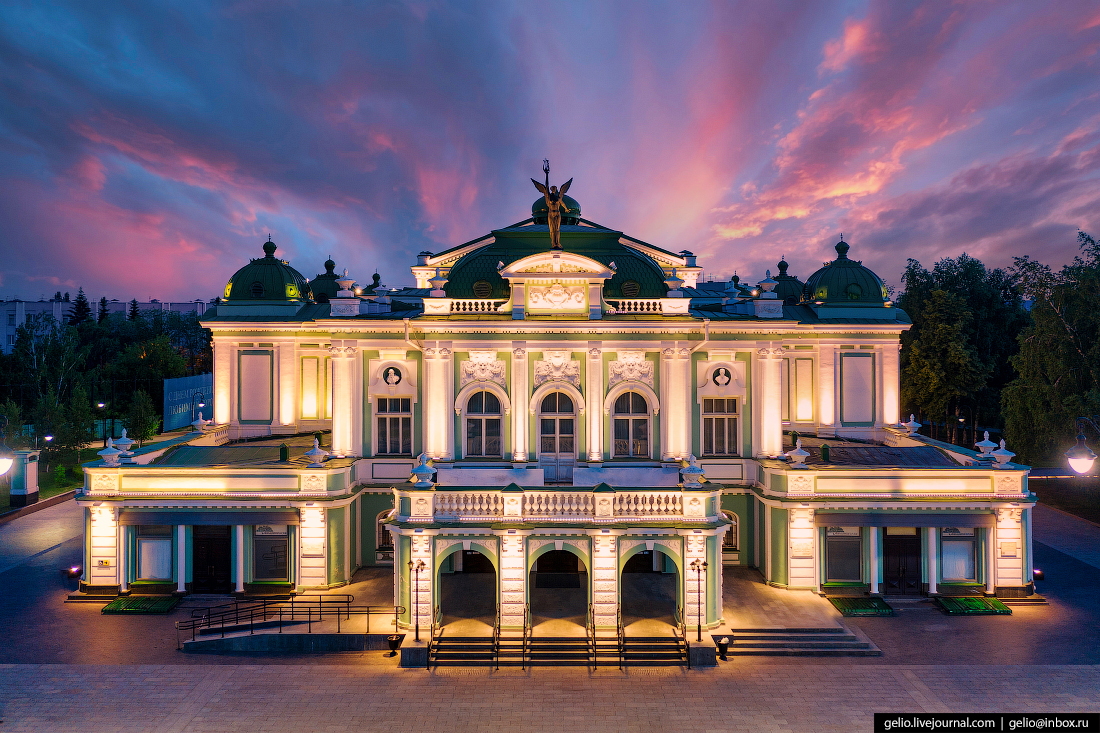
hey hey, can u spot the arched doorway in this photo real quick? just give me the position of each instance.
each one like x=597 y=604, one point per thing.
x=650 y=592
x=467 y=592
x=557 y=437
x=558 y=593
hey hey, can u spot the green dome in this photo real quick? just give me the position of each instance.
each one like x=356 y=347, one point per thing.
x=267 y=278
x=789 y=289
x=476 y=275
x=540 y=211
x=324 y=287
x=844 y=281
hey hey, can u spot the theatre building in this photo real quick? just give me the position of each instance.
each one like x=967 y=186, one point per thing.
x=572 y=413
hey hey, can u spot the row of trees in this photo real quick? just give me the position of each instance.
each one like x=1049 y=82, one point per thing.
x=58 y=373
x=1015 y=350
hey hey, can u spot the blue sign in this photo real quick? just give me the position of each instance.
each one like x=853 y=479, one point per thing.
x=185 y=393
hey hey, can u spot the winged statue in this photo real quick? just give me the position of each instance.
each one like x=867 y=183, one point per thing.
x=554 y=202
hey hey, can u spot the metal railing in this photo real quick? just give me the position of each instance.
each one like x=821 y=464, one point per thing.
x=235 y=615
x=680 y=630
x=622 y=637
x=526 y=632
x=590 y=629
x=496 y=639
x=437 y=622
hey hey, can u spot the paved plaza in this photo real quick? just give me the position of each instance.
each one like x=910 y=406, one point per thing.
x=67 y=667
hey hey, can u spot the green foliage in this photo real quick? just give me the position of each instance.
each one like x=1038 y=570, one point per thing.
x=134 y=313
x=76 y=430
x=14 y=431
x=81 y=311
x=980 y=311
x=1058 y=364
x=48 y=355
x=142 y=421
x=103 y=312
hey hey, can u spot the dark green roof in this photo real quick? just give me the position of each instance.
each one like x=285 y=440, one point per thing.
x=789 y=289
x=324 y=286
x=268 y=279
x=516 y=243
x=844 y=281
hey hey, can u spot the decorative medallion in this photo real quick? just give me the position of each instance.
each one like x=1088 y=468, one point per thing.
x=630 y=366
x=556 y=297
x=721 y=376
x=557 y=366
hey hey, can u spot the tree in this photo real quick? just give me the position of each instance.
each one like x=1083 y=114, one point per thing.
x=942 y=366
x=1058 y=365
x=14 y=431
x=76 y=430
x=997 y=314
x=103 y=312
x=49 y=354
x=81 y=310
x=134 y=314
x=142 y=420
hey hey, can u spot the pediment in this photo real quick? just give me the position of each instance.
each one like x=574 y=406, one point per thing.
x=556 y=264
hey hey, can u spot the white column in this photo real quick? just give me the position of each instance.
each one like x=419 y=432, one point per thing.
x=342 y=399
x=223 y=358
x=420 y=597
x=675 y=405
x=770 y=409
x=594 y=400
x=876 y=557
x=991 y=559
x=933 y=562
x=520 y=395
x=891 y=384
x=439 y=401
x=181 y=558
x=826 y=391
x=513 y=579
x=1029 y=564
x=240 y=557
x=695 y=583
x=123 y=557
x=605 y=579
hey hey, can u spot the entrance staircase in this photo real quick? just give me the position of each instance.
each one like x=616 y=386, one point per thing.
x=832 y=641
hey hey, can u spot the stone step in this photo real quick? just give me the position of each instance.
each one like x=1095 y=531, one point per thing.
x=751 y=652
x=815 y=638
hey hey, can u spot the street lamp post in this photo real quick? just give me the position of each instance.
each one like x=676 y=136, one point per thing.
x=1080 y=456
x=202 y=403
x=103 y=413
x=699 y=567
x=417 y=568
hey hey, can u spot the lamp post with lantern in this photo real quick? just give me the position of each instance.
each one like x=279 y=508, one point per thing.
x=416 y=569
x=1080 y=456
x=700 y=567
x=102 y=406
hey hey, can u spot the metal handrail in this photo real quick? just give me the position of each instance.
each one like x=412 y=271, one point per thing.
x=590 y=628
x=262 y=612
x=437 y=620
x=496 y=639
x=622 y=637
x=680 y=628
x=526 y=630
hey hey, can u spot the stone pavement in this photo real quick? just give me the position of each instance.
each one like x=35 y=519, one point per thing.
x=1067 y=533
x=737 y=697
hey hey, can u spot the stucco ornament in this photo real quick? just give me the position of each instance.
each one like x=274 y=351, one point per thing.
x=483 y=366
x=557 y=296
x=630 y=366
x=557 y=366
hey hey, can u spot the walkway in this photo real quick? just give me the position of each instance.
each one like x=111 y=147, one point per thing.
x=1067 y=533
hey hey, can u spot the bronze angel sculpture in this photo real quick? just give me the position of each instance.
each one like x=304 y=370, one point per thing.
x=554 y=202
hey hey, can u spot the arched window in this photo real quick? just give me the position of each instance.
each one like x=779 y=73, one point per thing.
x=729 y=539
x=483 y=436
x=385 y=539
x=631 y=426
x=557 y=444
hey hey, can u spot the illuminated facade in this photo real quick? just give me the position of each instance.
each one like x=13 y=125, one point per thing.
x=602 y=400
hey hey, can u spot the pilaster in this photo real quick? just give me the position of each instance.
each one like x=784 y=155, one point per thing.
x=520 y=394
x=593 y=398
x=770 y=406
x=605 y=578
x=343 y=397
x=826 y=391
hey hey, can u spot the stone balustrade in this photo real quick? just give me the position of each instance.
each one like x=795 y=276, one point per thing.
x=597 y=504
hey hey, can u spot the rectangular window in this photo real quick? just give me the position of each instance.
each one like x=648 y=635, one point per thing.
x=394 y=426
x=254 y=382
x=11 y=319
x=720 y=427
x=154 y=551
x=958 y=560
x=857 y=389
x=11 y=339
x=843 y=555
x=270 y=553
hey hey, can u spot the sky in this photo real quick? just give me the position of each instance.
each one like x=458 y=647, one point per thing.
x=147 y=148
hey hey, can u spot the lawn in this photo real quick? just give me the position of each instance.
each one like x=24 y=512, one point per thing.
x=1079 y=496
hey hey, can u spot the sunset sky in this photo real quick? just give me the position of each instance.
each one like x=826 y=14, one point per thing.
x=147 y=148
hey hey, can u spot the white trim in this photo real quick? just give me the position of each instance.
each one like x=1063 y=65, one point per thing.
x=535 y=403
x=463 y=397
x=631 y=385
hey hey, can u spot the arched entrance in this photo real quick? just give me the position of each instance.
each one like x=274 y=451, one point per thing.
x=558 y=592
x=468 y=590
x=650 y=590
